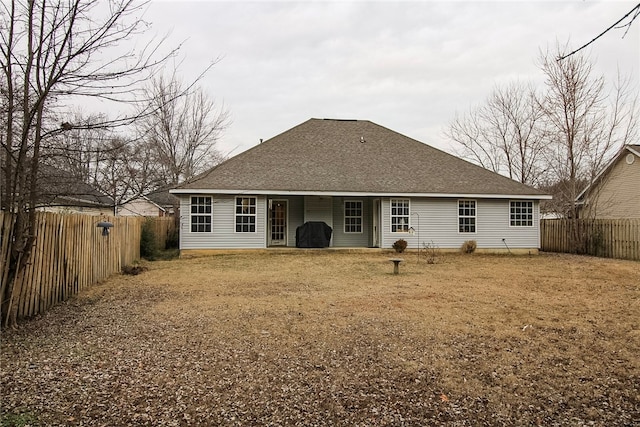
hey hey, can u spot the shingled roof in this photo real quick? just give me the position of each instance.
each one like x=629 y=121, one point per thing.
x=57 y=187
x=351 y=157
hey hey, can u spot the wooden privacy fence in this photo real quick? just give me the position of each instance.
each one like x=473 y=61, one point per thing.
x=163 y=229
x=70 y=253
x=611 y=238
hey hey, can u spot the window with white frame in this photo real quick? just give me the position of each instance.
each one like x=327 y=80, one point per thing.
x=466 y=216
x=521 y=213
x=399 y=215
x=245 y=214
x=353 y=216
x=201 y=214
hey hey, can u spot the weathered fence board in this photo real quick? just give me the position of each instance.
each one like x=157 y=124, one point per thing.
x=163 y=229
x=69 y=254
x=611 y=238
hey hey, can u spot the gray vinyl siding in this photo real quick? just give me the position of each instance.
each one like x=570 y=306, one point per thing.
x=318 y=208
x=351 y=240
x=223 y=234
x=436 y=221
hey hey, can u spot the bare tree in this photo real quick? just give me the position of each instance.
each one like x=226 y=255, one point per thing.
x=116 y=164
x=182 y=129
x=78 y=150
x=123 y=170
x=51 y=51
x=505 y=134
x=586 y=123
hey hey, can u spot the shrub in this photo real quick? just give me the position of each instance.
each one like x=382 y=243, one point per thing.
x=173 y=240
x=148 y=246
x=400 y=245
x=468 y=247
x=432 y=252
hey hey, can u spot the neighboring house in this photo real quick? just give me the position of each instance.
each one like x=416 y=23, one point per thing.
x=62 y=192
x=156 y=203
x=371 y=185
x=140 y=206
x=84 y=204
x=615 y=192
x=167 y=201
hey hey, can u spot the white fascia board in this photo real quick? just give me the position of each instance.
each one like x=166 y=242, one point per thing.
x=637 y=153
x=358 y=194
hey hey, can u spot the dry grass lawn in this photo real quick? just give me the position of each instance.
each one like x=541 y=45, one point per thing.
x=324 y=338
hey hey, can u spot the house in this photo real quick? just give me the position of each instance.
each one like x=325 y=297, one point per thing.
x=167 y=201
x=615 y=192
x=371 y=185
x=156 y=203
x=62 y=192
x=140 y=206
x=86 y=204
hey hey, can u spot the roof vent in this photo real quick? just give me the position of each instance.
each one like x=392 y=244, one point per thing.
x=630 y=158
x=362 y=140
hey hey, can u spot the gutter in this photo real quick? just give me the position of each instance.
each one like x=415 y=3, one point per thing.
x=358 y=194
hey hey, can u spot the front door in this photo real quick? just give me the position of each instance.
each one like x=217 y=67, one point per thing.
x=278 y=223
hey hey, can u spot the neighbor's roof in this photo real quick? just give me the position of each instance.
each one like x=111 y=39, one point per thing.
x=162 y=197
x=57 y=187
x=350 y=157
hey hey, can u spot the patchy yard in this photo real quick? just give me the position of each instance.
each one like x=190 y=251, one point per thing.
x=319 y=338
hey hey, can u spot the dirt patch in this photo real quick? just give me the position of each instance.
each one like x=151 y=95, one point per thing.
x=318 y=338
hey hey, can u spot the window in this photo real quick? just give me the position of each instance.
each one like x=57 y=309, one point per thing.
x=353 y=216
x=245 y=214
x=466 y=216
x=521 y=213
x=200 y=214
x=399 y=215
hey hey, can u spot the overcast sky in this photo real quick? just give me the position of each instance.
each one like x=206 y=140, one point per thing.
x=408 y=66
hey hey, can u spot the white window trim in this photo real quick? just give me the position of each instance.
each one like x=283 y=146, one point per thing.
x=391 y=216
x=475 y=216
x=235 y=215
x=344 y=216
x=191 y=215
x=533 y=214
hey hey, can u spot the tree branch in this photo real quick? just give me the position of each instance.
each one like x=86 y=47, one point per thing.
x=636 y=9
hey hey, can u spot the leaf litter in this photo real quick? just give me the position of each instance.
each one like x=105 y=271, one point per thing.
x=321 y=338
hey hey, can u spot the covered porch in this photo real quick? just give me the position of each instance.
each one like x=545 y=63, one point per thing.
x=355 y=221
